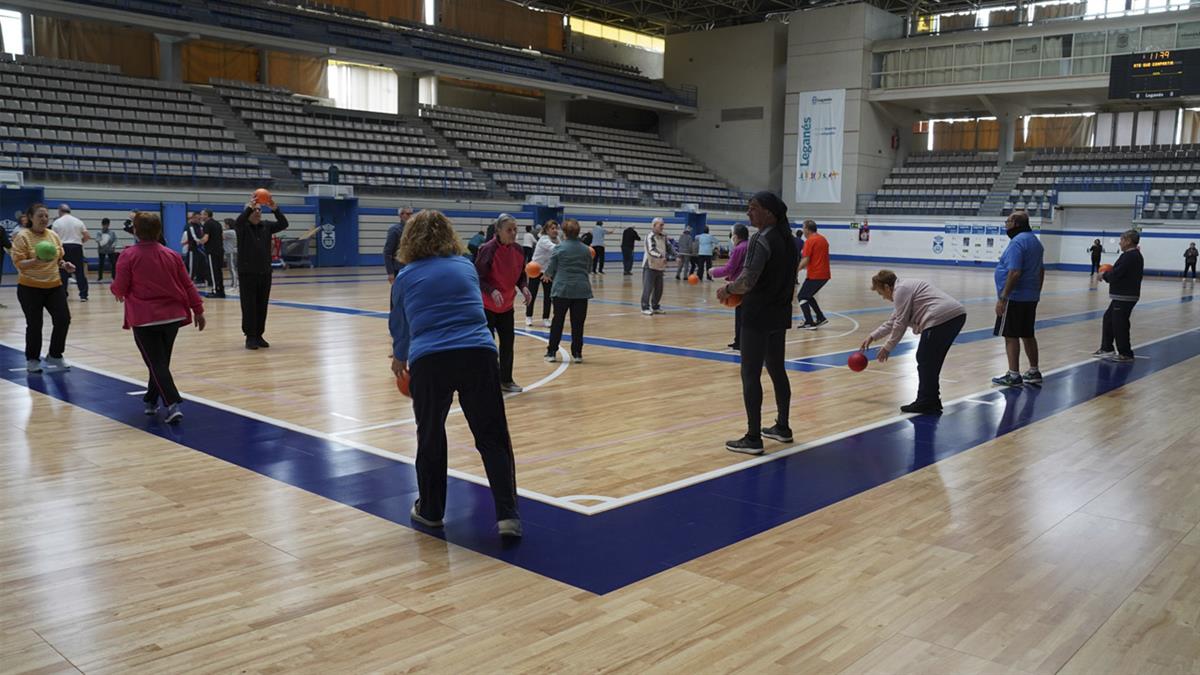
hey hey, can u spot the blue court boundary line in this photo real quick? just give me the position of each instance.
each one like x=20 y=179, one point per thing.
x=607 y=551
x=806 y=364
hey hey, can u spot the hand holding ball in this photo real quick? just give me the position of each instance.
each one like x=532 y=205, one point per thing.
x=732 y=300
x=1105 y=269
x=592 y=251
x=45 y=251
x=402 y=383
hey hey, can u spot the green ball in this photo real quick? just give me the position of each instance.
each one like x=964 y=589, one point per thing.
x=46 y=250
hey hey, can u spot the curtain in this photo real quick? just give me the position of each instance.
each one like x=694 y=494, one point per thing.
x=134 y=51
x=1043 y=12
x=405 y=10
x=206 y=59
x=301 y=74
x=503 y=22
x=1003 y=17
x=1056 y=132
x=950 y=22
x=363 y=88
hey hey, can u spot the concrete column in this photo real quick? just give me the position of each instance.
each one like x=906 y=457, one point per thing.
x=170 y=57
x=556 y=110
x=668 y=127
x=264 y=67
x=408 y=92
x=1008 y=138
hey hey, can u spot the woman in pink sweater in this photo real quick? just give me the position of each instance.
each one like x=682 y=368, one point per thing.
x=731 y=270
x=159 y=298
x=931 y=313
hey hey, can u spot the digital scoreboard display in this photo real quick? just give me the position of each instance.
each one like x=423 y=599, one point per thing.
x=1162 y=74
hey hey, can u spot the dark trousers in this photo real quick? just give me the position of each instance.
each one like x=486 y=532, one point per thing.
x=737 y=326
x=684 y=266
x=808 y=299
x=1095 y=266
x=703 y=265
x=533 y=291
x=156 y=343
x=598 y=260
x=1189 y=266
x=474 y=374
x=652 y=288
x=33 y=302
x=198 y=266
x=931 y=354
x=255 y=298
x=1116 y=327
x=627 y=259
x=109 y=259
x=73 y=253
x=216 y=264
x=528 y=253
x=578 y=309
x=761 y=348
x=502 y=324
x=1 y=265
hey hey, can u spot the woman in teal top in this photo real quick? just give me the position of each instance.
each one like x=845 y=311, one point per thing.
x=570 y=290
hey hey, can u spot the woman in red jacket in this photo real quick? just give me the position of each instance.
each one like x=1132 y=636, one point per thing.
x=500 y=264
x=159 y=298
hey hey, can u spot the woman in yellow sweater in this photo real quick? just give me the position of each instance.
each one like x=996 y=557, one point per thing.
x=40 y=288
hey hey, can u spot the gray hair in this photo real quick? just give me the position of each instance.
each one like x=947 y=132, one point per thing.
x=503 y=218
x=656 y=221
x=1133 y=236
x=400 y=211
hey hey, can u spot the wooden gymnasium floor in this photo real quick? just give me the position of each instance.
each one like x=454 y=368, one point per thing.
x=1039 y=531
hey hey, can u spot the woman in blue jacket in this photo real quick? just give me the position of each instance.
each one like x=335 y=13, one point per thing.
x=440 y=338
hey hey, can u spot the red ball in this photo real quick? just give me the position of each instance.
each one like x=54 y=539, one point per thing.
x=402 y=383
x=732 y=300
x=857 y=362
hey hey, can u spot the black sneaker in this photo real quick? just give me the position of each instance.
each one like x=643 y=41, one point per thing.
x=745 y=445
x=251 y=343
x=778 y=433
x=734 y=346
x=923 y=408
x=814 y=326
x=808 y=325
x=262 y=343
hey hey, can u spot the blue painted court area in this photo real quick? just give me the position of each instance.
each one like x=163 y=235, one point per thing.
x=612 y=549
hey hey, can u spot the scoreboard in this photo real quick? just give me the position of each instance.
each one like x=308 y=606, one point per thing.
x=1153 y=75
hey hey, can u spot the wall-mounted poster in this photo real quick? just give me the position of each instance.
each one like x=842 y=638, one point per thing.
x=819 y=146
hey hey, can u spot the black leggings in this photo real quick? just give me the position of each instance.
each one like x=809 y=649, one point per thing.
x=33 y=302
x=1095 y=266
x=73 y=253
x=473 y=373
x=761 y=348
x=578 y=310
x=255 y=298
x=533 y=291
x=808 y=299
x=502 y=323
x=156 y=344
x=931 y=355
x=1189 y=266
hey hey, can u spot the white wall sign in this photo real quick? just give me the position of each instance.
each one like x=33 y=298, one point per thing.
x=819 y=150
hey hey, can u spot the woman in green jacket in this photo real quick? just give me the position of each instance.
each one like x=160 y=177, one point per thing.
x=570 y=290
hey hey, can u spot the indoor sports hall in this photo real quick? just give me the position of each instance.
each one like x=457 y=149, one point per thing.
x=259 y=184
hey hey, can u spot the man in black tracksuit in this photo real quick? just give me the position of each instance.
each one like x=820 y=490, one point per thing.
x=766 y=283
x=214 y=246
x=1124 y=289
x=1096 y=249
x=1189 y=260
x=254 y=268
x=628 y=237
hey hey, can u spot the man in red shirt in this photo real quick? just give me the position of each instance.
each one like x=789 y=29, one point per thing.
x=815 y=259
x=501 y=266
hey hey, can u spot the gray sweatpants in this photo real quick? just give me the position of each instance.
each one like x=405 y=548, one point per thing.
x=652 y=288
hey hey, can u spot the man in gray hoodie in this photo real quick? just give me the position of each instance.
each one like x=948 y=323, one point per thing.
x=685 y=254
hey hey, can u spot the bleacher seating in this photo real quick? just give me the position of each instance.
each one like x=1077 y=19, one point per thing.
x=668 y=175
x=1168 y=176
x=527 y=157
x=84 y=122
x=942 y=183
x=375 y=152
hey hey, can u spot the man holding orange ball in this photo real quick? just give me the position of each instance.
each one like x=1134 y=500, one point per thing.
x=254 y=264
x=500 y=264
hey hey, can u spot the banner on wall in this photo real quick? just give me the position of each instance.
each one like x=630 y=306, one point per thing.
x=819 y=146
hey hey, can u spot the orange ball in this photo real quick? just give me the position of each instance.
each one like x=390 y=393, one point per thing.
x=1105 y=268
x=533 y=270
x=693 y=279
x=592 y=251
x=262 y=196
x=402 y=383
x=732 y=300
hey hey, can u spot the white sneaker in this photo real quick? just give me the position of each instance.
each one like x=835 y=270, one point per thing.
x=33 y=366
x=576 y=359
x=647 y=312
x=510 y=527
x=529 y=321
x=660 y=311
x=58 y=363
x=545 y=323
x=551 y=358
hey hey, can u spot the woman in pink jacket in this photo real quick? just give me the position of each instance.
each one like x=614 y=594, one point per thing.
x=935 y=316
x=159 y=298
x=731 y=270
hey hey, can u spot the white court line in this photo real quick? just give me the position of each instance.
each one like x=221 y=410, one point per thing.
x=586 y=498
x=763 y=459
x=345 y=417
x=829 y=337
x=562 y=367
x=136 y=393
x=380 y=452
x=983 y=402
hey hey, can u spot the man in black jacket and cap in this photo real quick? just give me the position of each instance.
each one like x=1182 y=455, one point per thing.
x=766 y=284
x=254 y=267
x=628 y=237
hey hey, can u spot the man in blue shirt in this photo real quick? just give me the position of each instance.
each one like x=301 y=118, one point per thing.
x=705 y=243
x=1019 y=278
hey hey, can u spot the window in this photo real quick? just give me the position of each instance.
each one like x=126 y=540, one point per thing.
x=430 y=12
x=360 y=87
x=628 y=37
x=12 y=32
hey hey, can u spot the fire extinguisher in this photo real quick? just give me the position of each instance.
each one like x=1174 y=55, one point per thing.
x=895 y=139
